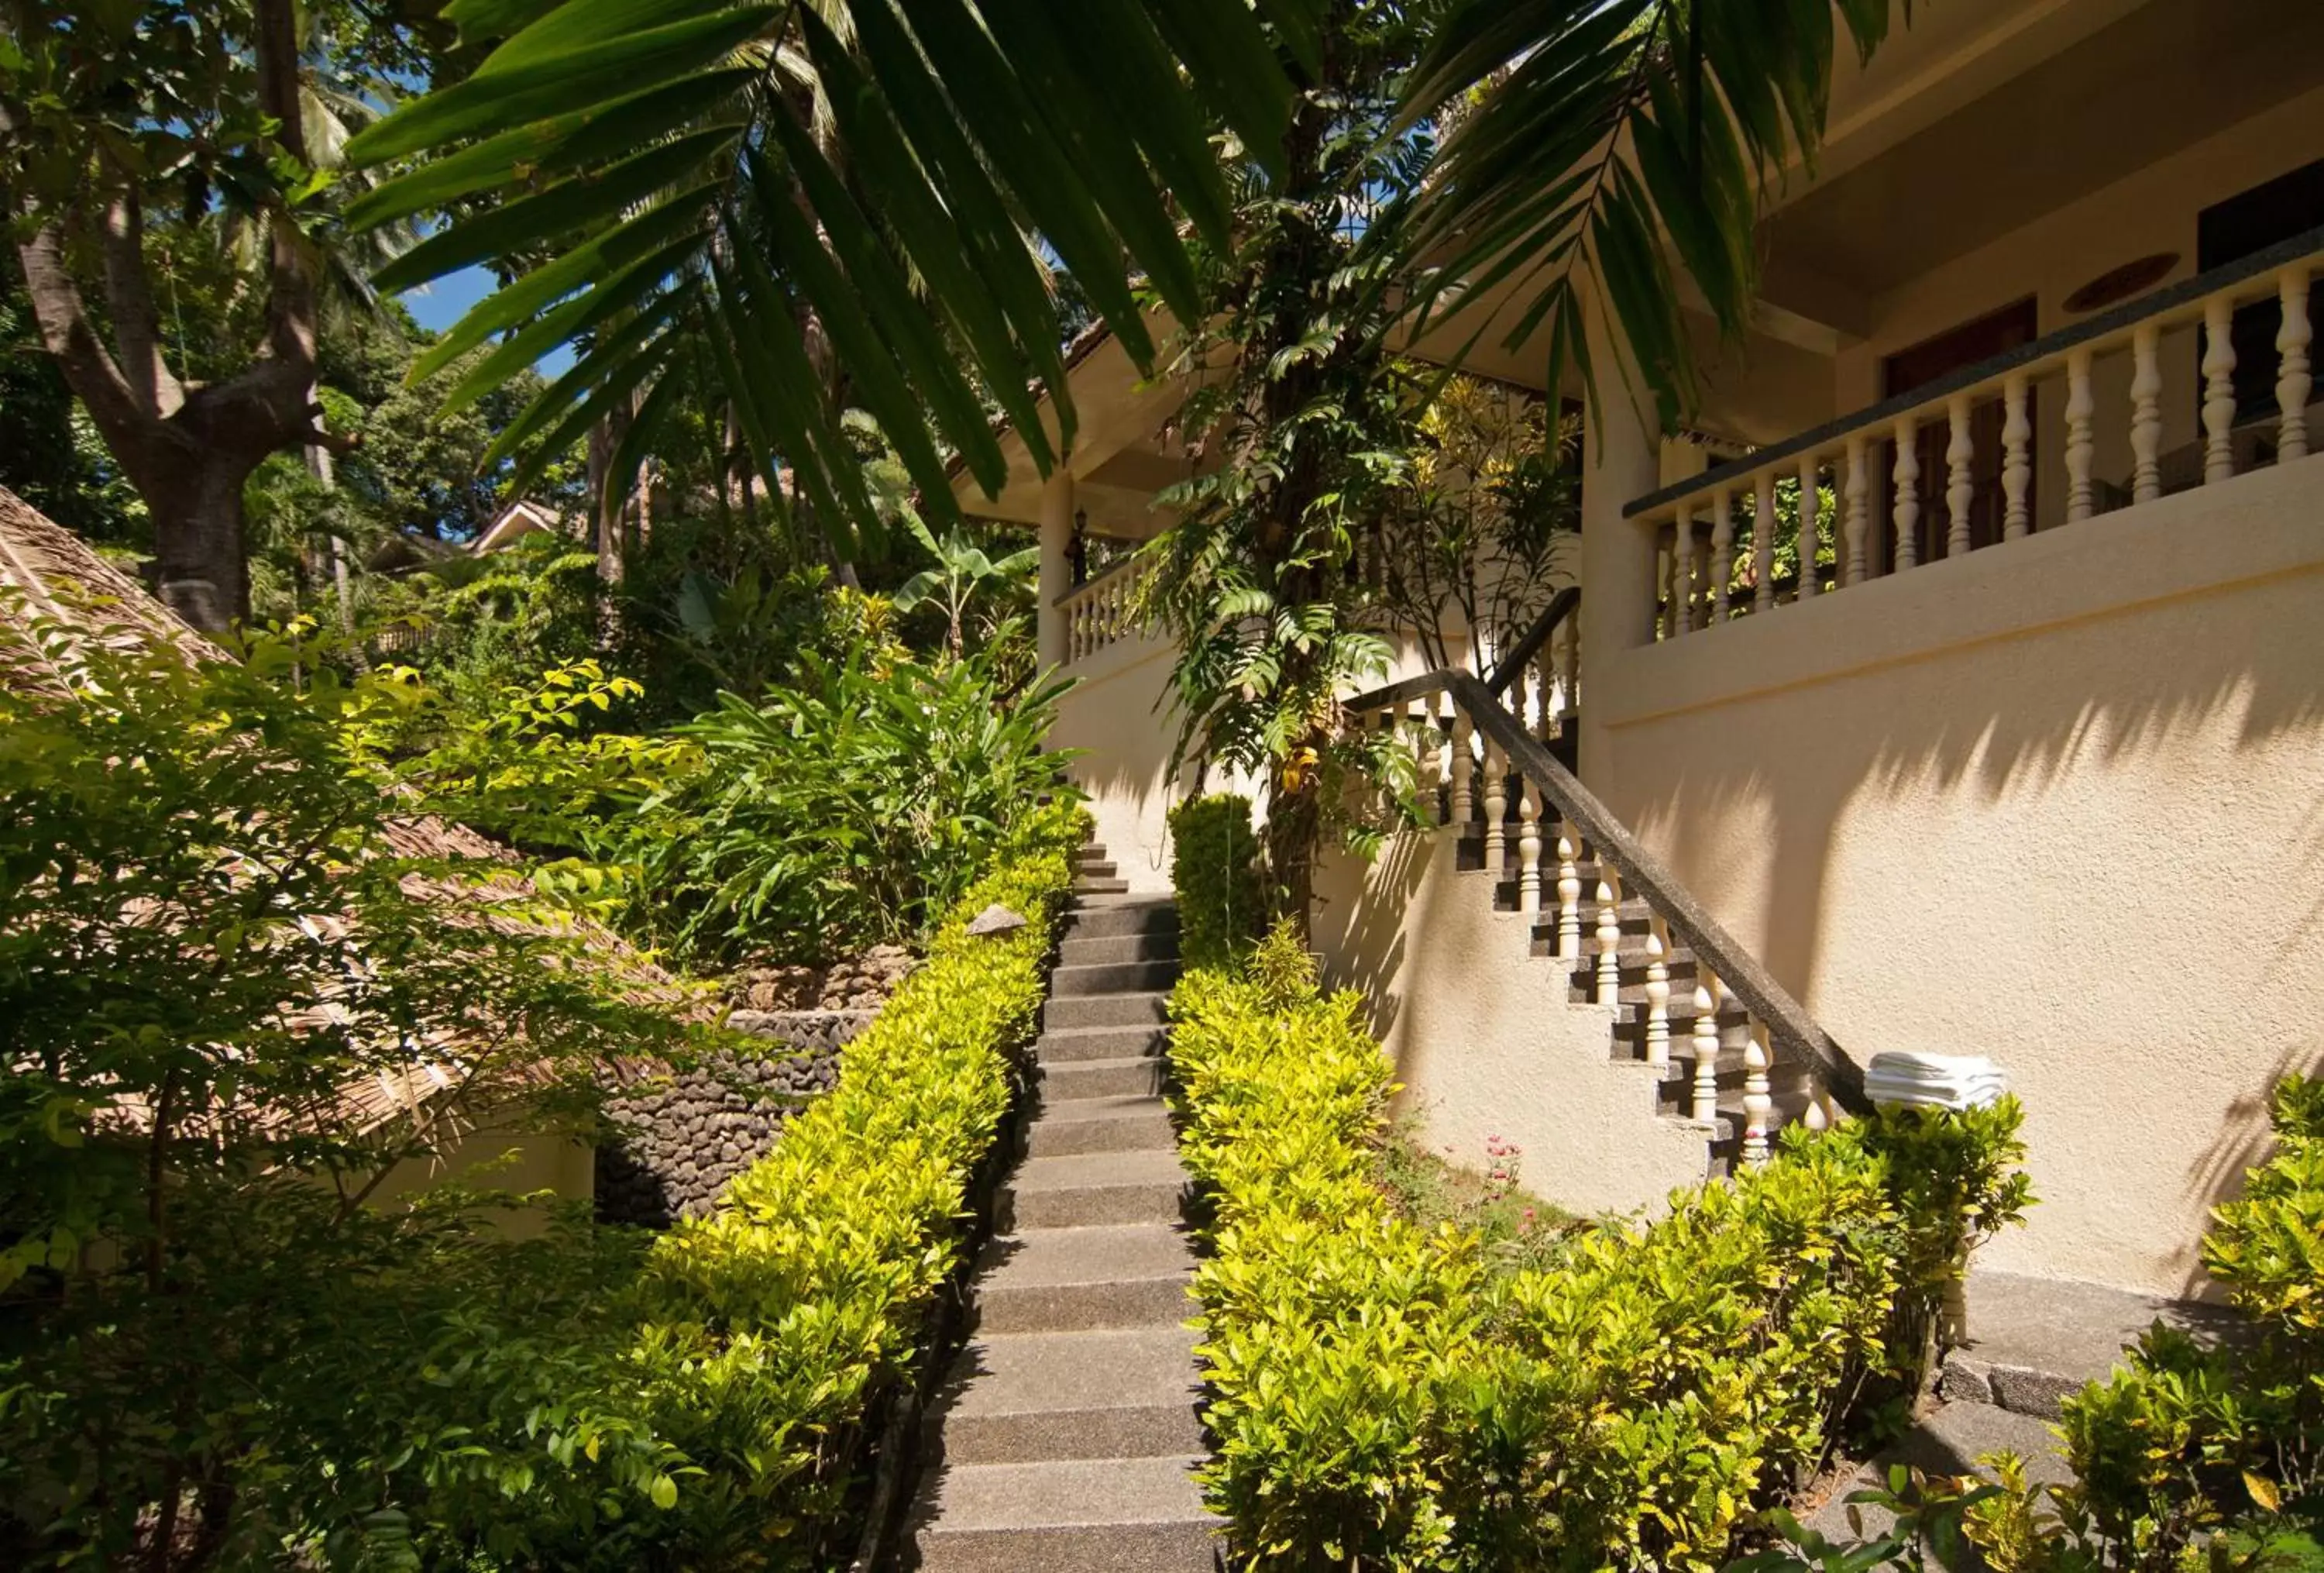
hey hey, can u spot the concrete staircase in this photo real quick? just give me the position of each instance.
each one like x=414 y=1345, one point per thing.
x=1065 y=1435
x=1674 y=1090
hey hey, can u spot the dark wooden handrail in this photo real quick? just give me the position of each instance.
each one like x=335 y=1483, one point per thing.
x=1789 y=1026
x=1561 y=607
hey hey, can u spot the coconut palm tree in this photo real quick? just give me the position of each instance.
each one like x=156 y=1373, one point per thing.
x=648 y=176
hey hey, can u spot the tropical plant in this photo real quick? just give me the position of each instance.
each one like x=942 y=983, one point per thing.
x=848 y=807
x=961 y=570
x=667 y=166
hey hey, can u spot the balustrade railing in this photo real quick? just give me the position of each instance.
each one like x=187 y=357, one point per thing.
x=1878 y=493
x=1100 y=612
x=1487 y=767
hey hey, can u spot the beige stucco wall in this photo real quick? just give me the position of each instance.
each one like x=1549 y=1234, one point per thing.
x=499 y=1157
x=2060 y=803
x=1119 y=712
x=1485 y=1042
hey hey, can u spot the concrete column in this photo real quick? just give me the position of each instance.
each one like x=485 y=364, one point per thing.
x=1057 y=571
x=1621 y=462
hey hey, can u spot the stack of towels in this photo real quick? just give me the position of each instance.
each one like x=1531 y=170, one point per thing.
x=1945 y=1081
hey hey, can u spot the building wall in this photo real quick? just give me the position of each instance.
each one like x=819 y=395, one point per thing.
x=2057 y=802
x=1484 y=1039
x=499 y=1157
x=1120 y=713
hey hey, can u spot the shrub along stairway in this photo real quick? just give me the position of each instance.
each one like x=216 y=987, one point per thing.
x=1065 y=1433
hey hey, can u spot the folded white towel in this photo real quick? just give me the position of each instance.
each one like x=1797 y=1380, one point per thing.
x=1956 y=1081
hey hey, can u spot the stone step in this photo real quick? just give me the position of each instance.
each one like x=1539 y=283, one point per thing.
x=1118 y=1515
x=1116 y=1393
x=1075 y=1081
x=1154 y=945
x=1113 y=977
x=1105 y=1010
x=2033 y=1340
x=1107 y=918
x=1127 y=1275
x=1063 y=1045
x=1092 y=868
x=1091 y=852
x=1079 y=1190
x=1130 y=1122
x=1088 y=884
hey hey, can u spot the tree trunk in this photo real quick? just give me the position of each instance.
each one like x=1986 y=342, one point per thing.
x=197 y=536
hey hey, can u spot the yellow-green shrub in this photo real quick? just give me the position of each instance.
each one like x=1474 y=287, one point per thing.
x=1381 y=1402
x=779 y=1321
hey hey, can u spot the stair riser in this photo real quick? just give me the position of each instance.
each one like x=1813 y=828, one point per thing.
x=1156 y=945
x=1185 y=1547
x=1119 y=977
x=1100 y=1043
x=1101 y=1079
x=1080 y=1208
x=1122 y=1009
x=1113 y=922
x=1151 y=1431
x=1073 y=1308
x=1130 y=1134
x=1087 y=886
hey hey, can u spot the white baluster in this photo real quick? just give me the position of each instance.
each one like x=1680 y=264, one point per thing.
x=2218 y=391
x=1908 y=494
x=1427 y=758
x=1706 y=1049
x=1763 y=542
x=2146 y=413
x=1657 y=999
x=1609 y=944
x=1817 y=1115
x=1722 y=554
x=1961 y=479
x=1810 y=536
x=1569 y=902
x=1497 y=805
x=1544 y=674
x=2016 y=460
x=1530 y=851
x=2292 y=382
x=1514 y=698
x=1463 y=766
x=2081 y=406
x=1857 y=521
x=1759 y=1098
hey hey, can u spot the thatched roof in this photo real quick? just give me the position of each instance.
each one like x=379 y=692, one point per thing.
x=55 y=578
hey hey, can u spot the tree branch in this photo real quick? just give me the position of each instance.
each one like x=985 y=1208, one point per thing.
x=69 y=336
x=129 y=300
x=290 y=271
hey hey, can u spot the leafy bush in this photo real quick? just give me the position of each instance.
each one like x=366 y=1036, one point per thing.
x=217 y=948
x=780 y=1321
x=850 y=807
x=2190 y=1456
x=1215 y=867
x=1384 y=1402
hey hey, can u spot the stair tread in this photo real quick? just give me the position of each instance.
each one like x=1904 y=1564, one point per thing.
x=1106 y=1107
x=1099 y=1253
x=1094 y=1170
x=1095 y=1493
x=1066 y=1372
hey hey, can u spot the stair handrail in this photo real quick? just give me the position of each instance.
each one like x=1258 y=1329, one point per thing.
x=1513 y=661
x=1789 y=1025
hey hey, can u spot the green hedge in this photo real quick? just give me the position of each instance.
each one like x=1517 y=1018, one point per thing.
x=1382 y=1402
x=1214 y=869
x=787 y=1310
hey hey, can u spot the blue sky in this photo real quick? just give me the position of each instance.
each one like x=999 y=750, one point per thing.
x=443 y=302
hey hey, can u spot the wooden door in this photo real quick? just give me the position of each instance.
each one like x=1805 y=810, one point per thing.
x=1968 y=344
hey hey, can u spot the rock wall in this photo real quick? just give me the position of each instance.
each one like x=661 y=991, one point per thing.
x=681 y=1140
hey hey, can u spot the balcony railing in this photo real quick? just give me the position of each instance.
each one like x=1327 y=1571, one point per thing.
x=1722 y=534
x=1100 y=614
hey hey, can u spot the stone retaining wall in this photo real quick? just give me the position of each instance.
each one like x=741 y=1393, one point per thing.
x=683 y=1139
